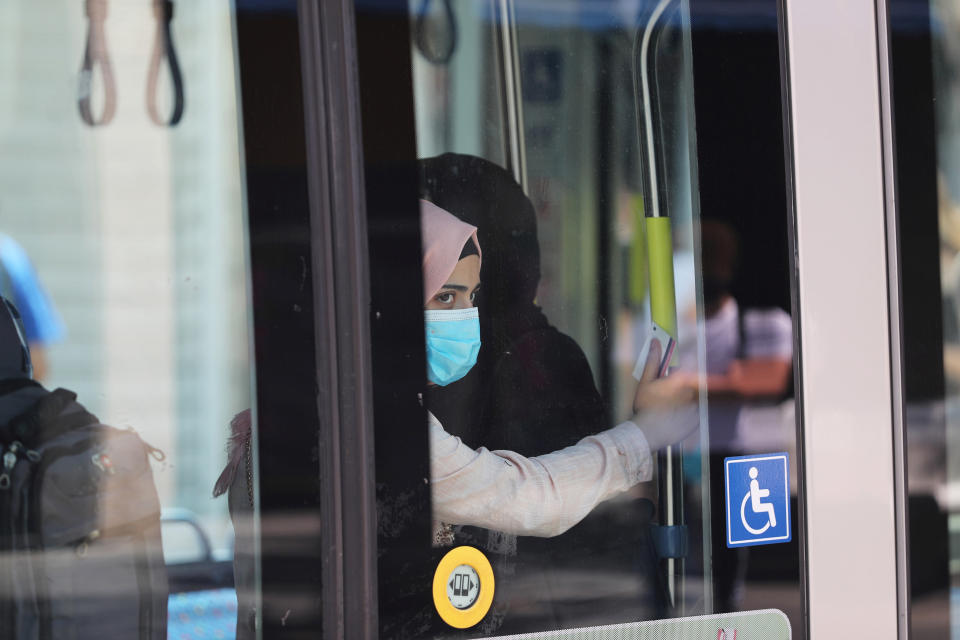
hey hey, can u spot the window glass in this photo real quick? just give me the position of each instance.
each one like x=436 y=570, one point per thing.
x=459 y=97
x=123 y=246
x=925 y=63
x=602 y=198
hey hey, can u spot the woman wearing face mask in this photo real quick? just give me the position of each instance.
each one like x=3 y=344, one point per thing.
x=502 y=490
x=532 y=392
x=497 y=490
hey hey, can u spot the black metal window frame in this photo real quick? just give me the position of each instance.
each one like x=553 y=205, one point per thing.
x=310 y=296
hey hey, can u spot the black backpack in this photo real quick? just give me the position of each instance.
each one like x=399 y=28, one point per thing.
x=80 y=543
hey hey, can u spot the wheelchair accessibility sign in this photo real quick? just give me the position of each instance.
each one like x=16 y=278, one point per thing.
x=757 y=499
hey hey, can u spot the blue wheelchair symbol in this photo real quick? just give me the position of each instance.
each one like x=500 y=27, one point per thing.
x=757 y=499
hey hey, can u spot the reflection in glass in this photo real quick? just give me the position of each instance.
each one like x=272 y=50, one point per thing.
x=124 y=245
x=568 y=229
x=925 y=65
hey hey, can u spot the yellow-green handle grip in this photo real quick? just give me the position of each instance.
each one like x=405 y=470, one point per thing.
x=663 y=300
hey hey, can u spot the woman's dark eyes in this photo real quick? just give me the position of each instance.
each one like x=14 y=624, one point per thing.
x=448 y=297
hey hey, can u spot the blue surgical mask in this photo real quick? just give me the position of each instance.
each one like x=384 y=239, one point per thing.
x=453 y=342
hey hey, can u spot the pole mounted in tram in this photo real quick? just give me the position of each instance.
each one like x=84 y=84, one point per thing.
x=670 y=536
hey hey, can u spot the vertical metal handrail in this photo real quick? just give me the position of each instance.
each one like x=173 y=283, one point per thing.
x=512 y=91
x=663 y=305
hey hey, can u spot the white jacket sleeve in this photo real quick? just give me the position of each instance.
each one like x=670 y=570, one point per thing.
x=541 y=496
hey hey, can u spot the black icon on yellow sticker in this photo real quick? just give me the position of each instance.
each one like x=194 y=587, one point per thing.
x=463 y=587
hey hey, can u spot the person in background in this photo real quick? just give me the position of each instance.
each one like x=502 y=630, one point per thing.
x=749 y=351
x=80 y=501
x=20 y=284
x=749 y=362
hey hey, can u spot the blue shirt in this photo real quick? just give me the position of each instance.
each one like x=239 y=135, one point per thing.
x=20 y=284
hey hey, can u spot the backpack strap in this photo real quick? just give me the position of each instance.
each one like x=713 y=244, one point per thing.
x=48 y=418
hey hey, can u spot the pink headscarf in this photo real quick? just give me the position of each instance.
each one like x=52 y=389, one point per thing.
x=443 y=236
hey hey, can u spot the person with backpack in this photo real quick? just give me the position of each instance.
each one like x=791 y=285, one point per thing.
x=80 y=543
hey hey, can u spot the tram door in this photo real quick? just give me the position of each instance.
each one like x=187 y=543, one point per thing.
x=579 y=318
x=614 y=178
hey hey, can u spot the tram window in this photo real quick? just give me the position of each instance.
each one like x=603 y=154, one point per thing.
x=597 y=181
x=924 y=64
x=123 y=244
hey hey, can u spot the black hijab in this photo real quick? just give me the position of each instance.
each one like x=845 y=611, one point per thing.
x=532 y=390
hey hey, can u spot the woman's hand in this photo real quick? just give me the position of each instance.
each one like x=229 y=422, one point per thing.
x=665 y=407
x=661 y=393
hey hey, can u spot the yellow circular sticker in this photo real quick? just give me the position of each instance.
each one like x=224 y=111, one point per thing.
x=463 y=587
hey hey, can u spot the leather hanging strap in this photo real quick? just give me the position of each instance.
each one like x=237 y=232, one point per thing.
x=96 y=54
x=437 y=43
x=163 y=46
